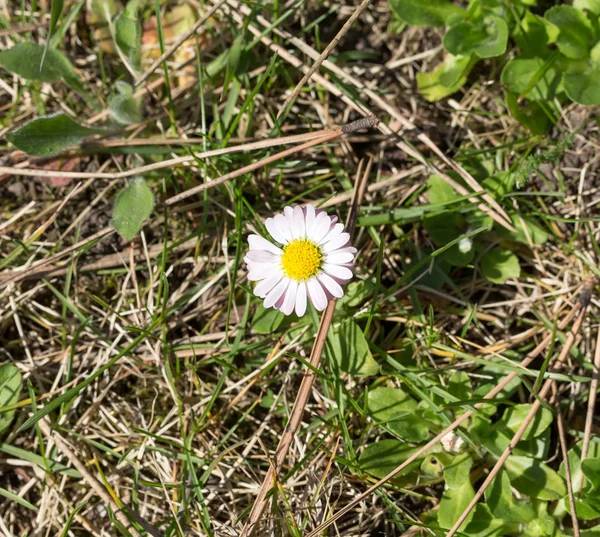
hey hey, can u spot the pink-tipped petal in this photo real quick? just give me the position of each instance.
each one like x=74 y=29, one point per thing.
x=316 y=294
x=283 y=226
x=336 y=243
x=334 y=232
x=276 y=293
x=290 y=298
x=309 y=218
x=337 y=271
x=267 y=284
x=257 y=242
x=262 y=256
x=274 y=231
x=299 y=222
x=301 y=299
x=320 y=228
x=337 y=258
x=331 y=285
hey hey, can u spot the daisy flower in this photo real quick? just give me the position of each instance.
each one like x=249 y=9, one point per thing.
x=314 y=260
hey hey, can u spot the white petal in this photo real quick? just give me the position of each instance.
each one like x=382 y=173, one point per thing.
x=309 y=218
x=334 y=232
x=331 y=285
x=290 y=298
x=288 y=212
x=321 y=227
x=316 y=294
x=337 y=271
x=261 y=256
x=299 y=229
x=336 y=243
x=260 y=271
x=339 y=258
x=276 y=293
x=257 y=242
x=283 y=226
x=267 y=284
x=274 y=231
x=301 y=299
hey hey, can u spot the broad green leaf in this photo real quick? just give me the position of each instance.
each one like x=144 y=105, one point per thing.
x=459 y=385
x=575 y=30
x=266 y=321
x=25 y=60
x=356 y=294
x=515 y=415
x=503 y=504
x=584 y=507
x=461 y=254
x=534 y=478
x=574 y=457
x=385 y=403
x=458 y=470
x=443 y=228
x=485 y=38
x=591 y=471
x=499 y=265
x=410 y=427
x=484 y=524
x=124 y=108
x=439 y=191
x=536 y=234
x=380 y=458
x=10 y=388
x=532 y=78
x=540 y=527
x=590 y=5
x=453 y=503
x=427 y=12
x=583 y=88
x=592 y=532
x=534 y=33
x=49 y=135
x=532 y=116
x=349 y=348
x=55 y=13
x=128 y=34
x=133 y=205
x=445 y=79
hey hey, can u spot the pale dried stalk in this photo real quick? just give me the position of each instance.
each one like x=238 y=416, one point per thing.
x=501 y=385
x=591 y=407
x=270 y=480
x=323 y=56
x=563 y=447
x=547 y=386
x=96 y=486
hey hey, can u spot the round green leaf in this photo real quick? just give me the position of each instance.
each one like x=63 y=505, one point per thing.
x=439 y=191
x=10 y=388
x=499 y=265
x=575 y=30
x=583 y=88
x=532 y=78
x=446 y=79
x=484 y=524
x=534 y=478
x=385 y=403
x=515 y=415
x=453 y=503
x=503 y=504
x=590 y=5
x=349 y=348
x=134 y=204
x=426 y=12
x=591 y=470
x=266 y=321
x=485 y=37
x=380 y=458
x=25 y=59
x=49 y=135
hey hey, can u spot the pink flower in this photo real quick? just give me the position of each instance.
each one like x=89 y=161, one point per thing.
x=314 y=261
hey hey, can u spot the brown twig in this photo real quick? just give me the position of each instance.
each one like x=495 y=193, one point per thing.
x=495 y=391
x=260 y=502
x=323 y=56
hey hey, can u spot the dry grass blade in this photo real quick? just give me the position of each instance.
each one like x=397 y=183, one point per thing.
x=261 y=501
x=323 y=56
x=563 y=448
x=547 y=386
x=95 y=485
x=180 y=40
x=578 y=309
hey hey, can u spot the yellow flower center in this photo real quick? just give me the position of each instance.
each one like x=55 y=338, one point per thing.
x=301 y=259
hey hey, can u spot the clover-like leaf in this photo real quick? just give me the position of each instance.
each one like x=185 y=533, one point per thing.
x=575 y=30
x=486 y=37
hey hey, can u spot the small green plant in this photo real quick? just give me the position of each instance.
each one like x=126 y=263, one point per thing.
x=557 y=55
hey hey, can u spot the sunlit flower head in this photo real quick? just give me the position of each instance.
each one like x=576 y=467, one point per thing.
x=314 y=260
